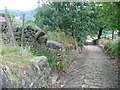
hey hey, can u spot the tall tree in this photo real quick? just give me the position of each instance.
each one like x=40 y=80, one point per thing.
x=78 y=19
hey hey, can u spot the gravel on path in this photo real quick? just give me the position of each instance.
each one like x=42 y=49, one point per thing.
x=93 y=69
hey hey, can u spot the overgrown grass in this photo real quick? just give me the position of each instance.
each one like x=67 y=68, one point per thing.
x=9 y=49
x=61 y=37
x=15 y=54
x=15 y=60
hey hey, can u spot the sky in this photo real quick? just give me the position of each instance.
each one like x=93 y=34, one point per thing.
x=19 y=4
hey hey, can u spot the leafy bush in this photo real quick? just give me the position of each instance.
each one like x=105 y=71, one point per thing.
x=113 y=48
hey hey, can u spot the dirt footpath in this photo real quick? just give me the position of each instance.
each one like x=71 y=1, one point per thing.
x=93 y=69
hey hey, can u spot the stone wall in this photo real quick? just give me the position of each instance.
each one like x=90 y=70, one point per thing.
x=36 y=76
x=38 y=73
x=73 y=55
x=32 y=36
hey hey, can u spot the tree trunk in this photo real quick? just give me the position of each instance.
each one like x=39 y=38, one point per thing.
x=22 y=30
x=112 y=35
x=119 y=33
x=100 y=33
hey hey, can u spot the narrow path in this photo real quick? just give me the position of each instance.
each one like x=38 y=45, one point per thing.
x=92 y=70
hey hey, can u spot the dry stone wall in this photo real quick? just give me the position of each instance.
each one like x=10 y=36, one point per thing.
x=36 y=76
x=32 y=36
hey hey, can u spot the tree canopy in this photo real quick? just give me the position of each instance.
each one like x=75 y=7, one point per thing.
x=79 y=19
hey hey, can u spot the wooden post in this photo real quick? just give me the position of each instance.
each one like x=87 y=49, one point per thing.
x=10 y=29
x=22 y=29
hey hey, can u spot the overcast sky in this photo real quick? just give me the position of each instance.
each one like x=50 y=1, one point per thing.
x=18 y=4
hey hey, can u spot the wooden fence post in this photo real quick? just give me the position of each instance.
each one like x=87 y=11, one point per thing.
x=10 y=29
x=22 y=29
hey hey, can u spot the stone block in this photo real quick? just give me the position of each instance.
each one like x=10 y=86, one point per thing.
x=54 y=44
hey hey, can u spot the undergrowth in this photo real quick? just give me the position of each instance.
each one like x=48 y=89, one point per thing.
x=56 y=58
x=61 y=38
x=15 y=54
x=113 y=48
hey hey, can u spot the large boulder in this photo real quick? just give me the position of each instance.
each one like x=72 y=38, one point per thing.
x=42 y=40
x=39 y=61
x=39 y=72
x=54 y=44
x=39 y=34
x=40 y=37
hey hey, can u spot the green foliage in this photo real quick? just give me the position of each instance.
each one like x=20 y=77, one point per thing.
x=30 y=23
x=78 y=19
x=75 y=19
x=110 y=15
x=113 y=48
